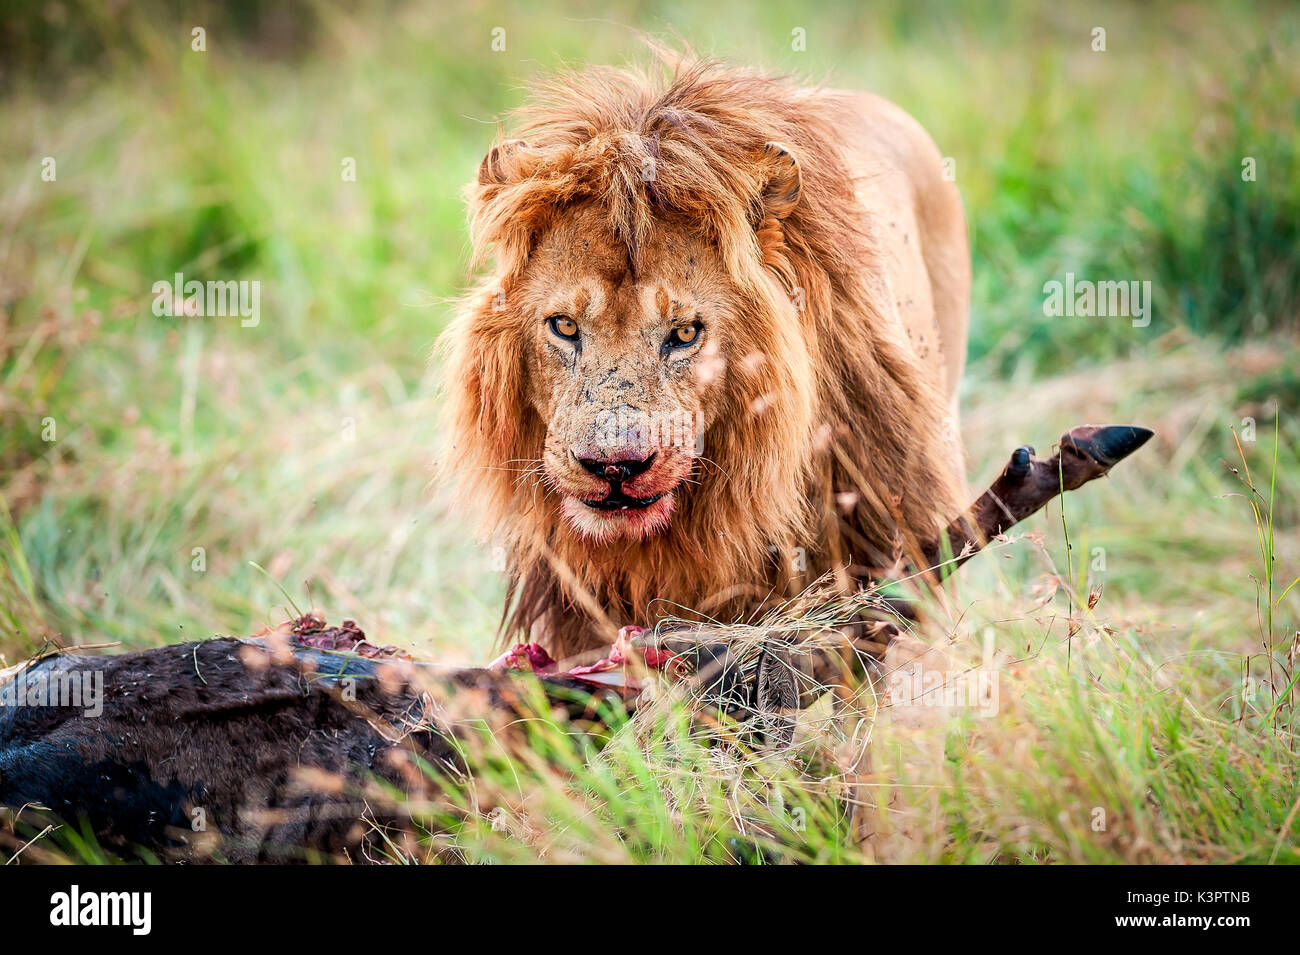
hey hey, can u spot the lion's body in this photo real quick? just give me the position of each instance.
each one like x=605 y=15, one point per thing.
x=921 y=232
x=828 y=275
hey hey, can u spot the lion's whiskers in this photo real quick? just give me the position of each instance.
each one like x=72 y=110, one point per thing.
x=721 y=470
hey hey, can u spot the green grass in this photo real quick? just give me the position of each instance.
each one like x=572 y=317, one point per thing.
x=305 y=445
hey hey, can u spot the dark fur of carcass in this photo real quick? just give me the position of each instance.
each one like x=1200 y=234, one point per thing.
x=226 y=726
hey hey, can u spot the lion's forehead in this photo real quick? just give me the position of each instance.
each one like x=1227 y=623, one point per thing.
x=606 y=308
x=582 y=266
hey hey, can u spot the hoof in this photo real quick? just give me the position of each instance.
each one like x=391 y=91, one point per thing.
x=1108 y=444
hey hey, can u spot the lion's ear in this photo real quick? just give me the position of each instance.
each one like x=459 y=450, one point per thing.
x=503 y=164
x=783 y=182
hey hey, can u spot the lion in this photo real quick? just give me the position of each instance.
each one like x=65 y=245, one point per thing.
x=716 y=355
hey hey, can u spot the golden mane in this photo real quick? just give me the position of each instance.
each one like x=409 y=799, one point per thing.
x=831 y=450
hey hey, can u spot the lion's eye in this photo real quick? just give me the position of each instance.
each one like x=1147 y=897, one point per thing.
x=681 y=337
x=563 y=326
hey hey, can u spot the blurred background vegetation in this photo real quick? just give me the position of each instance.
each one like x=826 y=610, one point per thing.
x=184 y=450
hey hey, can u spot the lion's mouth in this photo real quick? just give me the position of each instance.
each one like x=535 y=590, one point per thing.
x=619 y=514
x=616 y=500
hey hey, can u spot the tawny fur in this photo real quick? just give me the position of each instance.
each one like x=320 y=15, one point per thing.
x=831 y=433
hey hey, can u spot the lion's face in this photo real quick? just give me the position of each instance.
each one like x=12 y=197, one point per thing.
x=622 y=368
x=663 y=284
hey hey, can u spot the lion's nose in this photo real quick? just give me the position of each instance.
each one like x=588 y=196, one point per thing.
x=617 y=471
